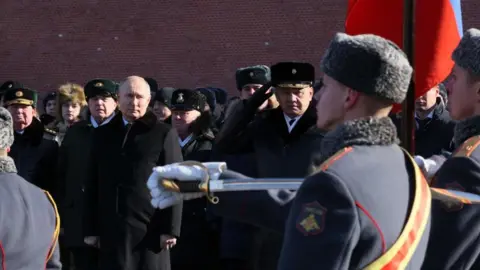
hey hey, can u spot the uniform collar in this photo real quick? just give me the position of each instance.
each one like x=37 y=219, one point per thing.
x=288 y=119
x=95 y=124
x=465 y=129
x=365 y=131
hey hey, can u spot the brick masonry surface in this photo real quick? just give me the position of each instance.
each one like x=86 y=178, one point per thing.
x=181 y=43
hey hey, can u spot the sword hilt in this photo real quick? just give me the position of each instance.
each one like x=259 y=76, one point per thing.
x=183 y=186
x=189 y=187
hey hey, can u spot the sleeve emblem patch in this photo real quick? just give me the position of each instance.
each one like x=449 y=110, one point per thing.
x=311 y=220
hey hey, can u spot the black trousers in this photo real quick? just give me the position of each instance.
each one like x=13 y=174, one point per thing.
x=79 y=258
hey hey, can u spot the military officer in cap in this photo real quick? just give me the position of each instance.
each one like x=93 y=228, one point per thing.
x=34 y=149
x=454 y=242
x=162 y=104
x=280 y=142
x=342 y=217
x=29 y=222
x=74 y=161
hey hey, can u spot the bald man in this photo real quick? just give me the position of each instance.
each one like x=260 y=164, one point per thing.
x=129 y=232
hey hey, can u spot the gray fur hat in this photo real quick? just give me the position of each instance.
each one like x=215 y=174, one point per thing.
x=369 y=64
x=6 y=129
x=467 y=53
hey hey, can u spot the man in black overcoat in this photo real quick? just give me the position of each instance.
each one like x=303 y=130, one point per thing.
x=130 y=233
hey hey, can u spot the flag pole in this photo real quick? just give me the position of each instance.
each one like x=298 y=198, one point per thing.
x=407 y=135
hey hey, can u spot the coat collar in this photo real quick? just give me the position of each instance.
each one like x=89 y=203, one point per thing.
x=366 y=131
x=34 y=132
x=304 y=124
x=465 y=129
x=149 y=120
x=7 y=165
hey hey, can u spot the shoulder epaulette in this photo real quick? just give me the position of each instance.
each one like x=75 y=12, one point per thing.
x=50 y=131
x=467 y=148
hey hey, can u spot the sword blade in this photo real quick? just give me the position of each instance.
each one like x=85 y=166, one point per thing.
x=253 y=184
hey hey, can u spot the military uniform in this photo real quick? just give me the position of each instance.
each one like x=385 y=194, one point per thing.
x=34 y=150
x=343 y=216
x=457 y=229
x=29 y=222
x=278 y=148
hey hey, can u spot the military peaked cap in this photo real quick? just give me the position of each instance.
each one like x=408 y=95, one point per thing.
x=369 y=64
x=187 y=99
x=101 y=87
x=467 y=53
x=21 y=96
x=292 y=75
x=252 y=75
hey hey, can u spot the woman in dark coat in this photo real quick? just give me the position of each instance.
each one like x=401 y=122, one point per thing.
x=197 y=247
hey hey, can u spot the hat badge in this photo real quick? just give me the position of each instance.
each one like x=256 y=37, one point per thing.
x=19 y=94
x=294 y=71
x=252 y=74
x=99 y=84
x=180 y=98
x=10 y=85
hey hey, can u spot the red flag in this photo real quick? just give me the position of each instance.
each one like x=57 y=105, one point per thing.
x=437 y=30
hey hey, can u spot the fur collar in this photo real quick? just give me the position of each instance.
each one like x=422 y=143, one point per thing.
x=7 y=165
x=465 y=129
x=366 y=131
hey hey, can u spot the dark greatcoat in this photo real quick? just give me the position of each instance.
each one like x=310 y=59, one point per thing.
x=276 y=153
x=128 y=226
x=35 y=153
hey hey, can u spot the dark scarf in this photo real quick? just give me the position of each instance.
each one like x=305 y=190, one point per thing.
x=7 y=165
x=465 y=129
x=365 y=131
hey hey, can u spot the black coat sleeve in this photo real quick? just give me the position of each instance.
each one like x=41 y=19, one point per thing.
x=168 y=221
x=461 y=173
x=236 y=133
x=323 y=226
x=252 y=207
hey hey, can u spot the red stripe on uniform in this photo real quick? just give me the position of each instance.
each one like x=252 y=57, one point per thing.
x=2 y=252
x=412 y=235
x=374 y=224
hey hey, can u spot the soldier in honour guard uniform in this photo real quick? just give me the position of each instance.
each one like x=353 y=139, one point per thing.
x=34 y=149
x=29 y=222
x=342 y=217
x=454 y=241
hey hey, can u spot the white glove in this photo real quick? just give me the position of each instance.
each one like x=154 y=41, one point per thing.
x=431 y=165
x=162 y=198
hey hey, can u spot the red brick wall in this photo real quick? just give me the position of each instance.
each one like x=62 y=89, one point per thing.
x=178 y=42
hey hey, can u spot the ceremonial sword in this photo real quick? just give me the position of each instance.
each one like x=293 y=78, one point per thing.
x=232 y=181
